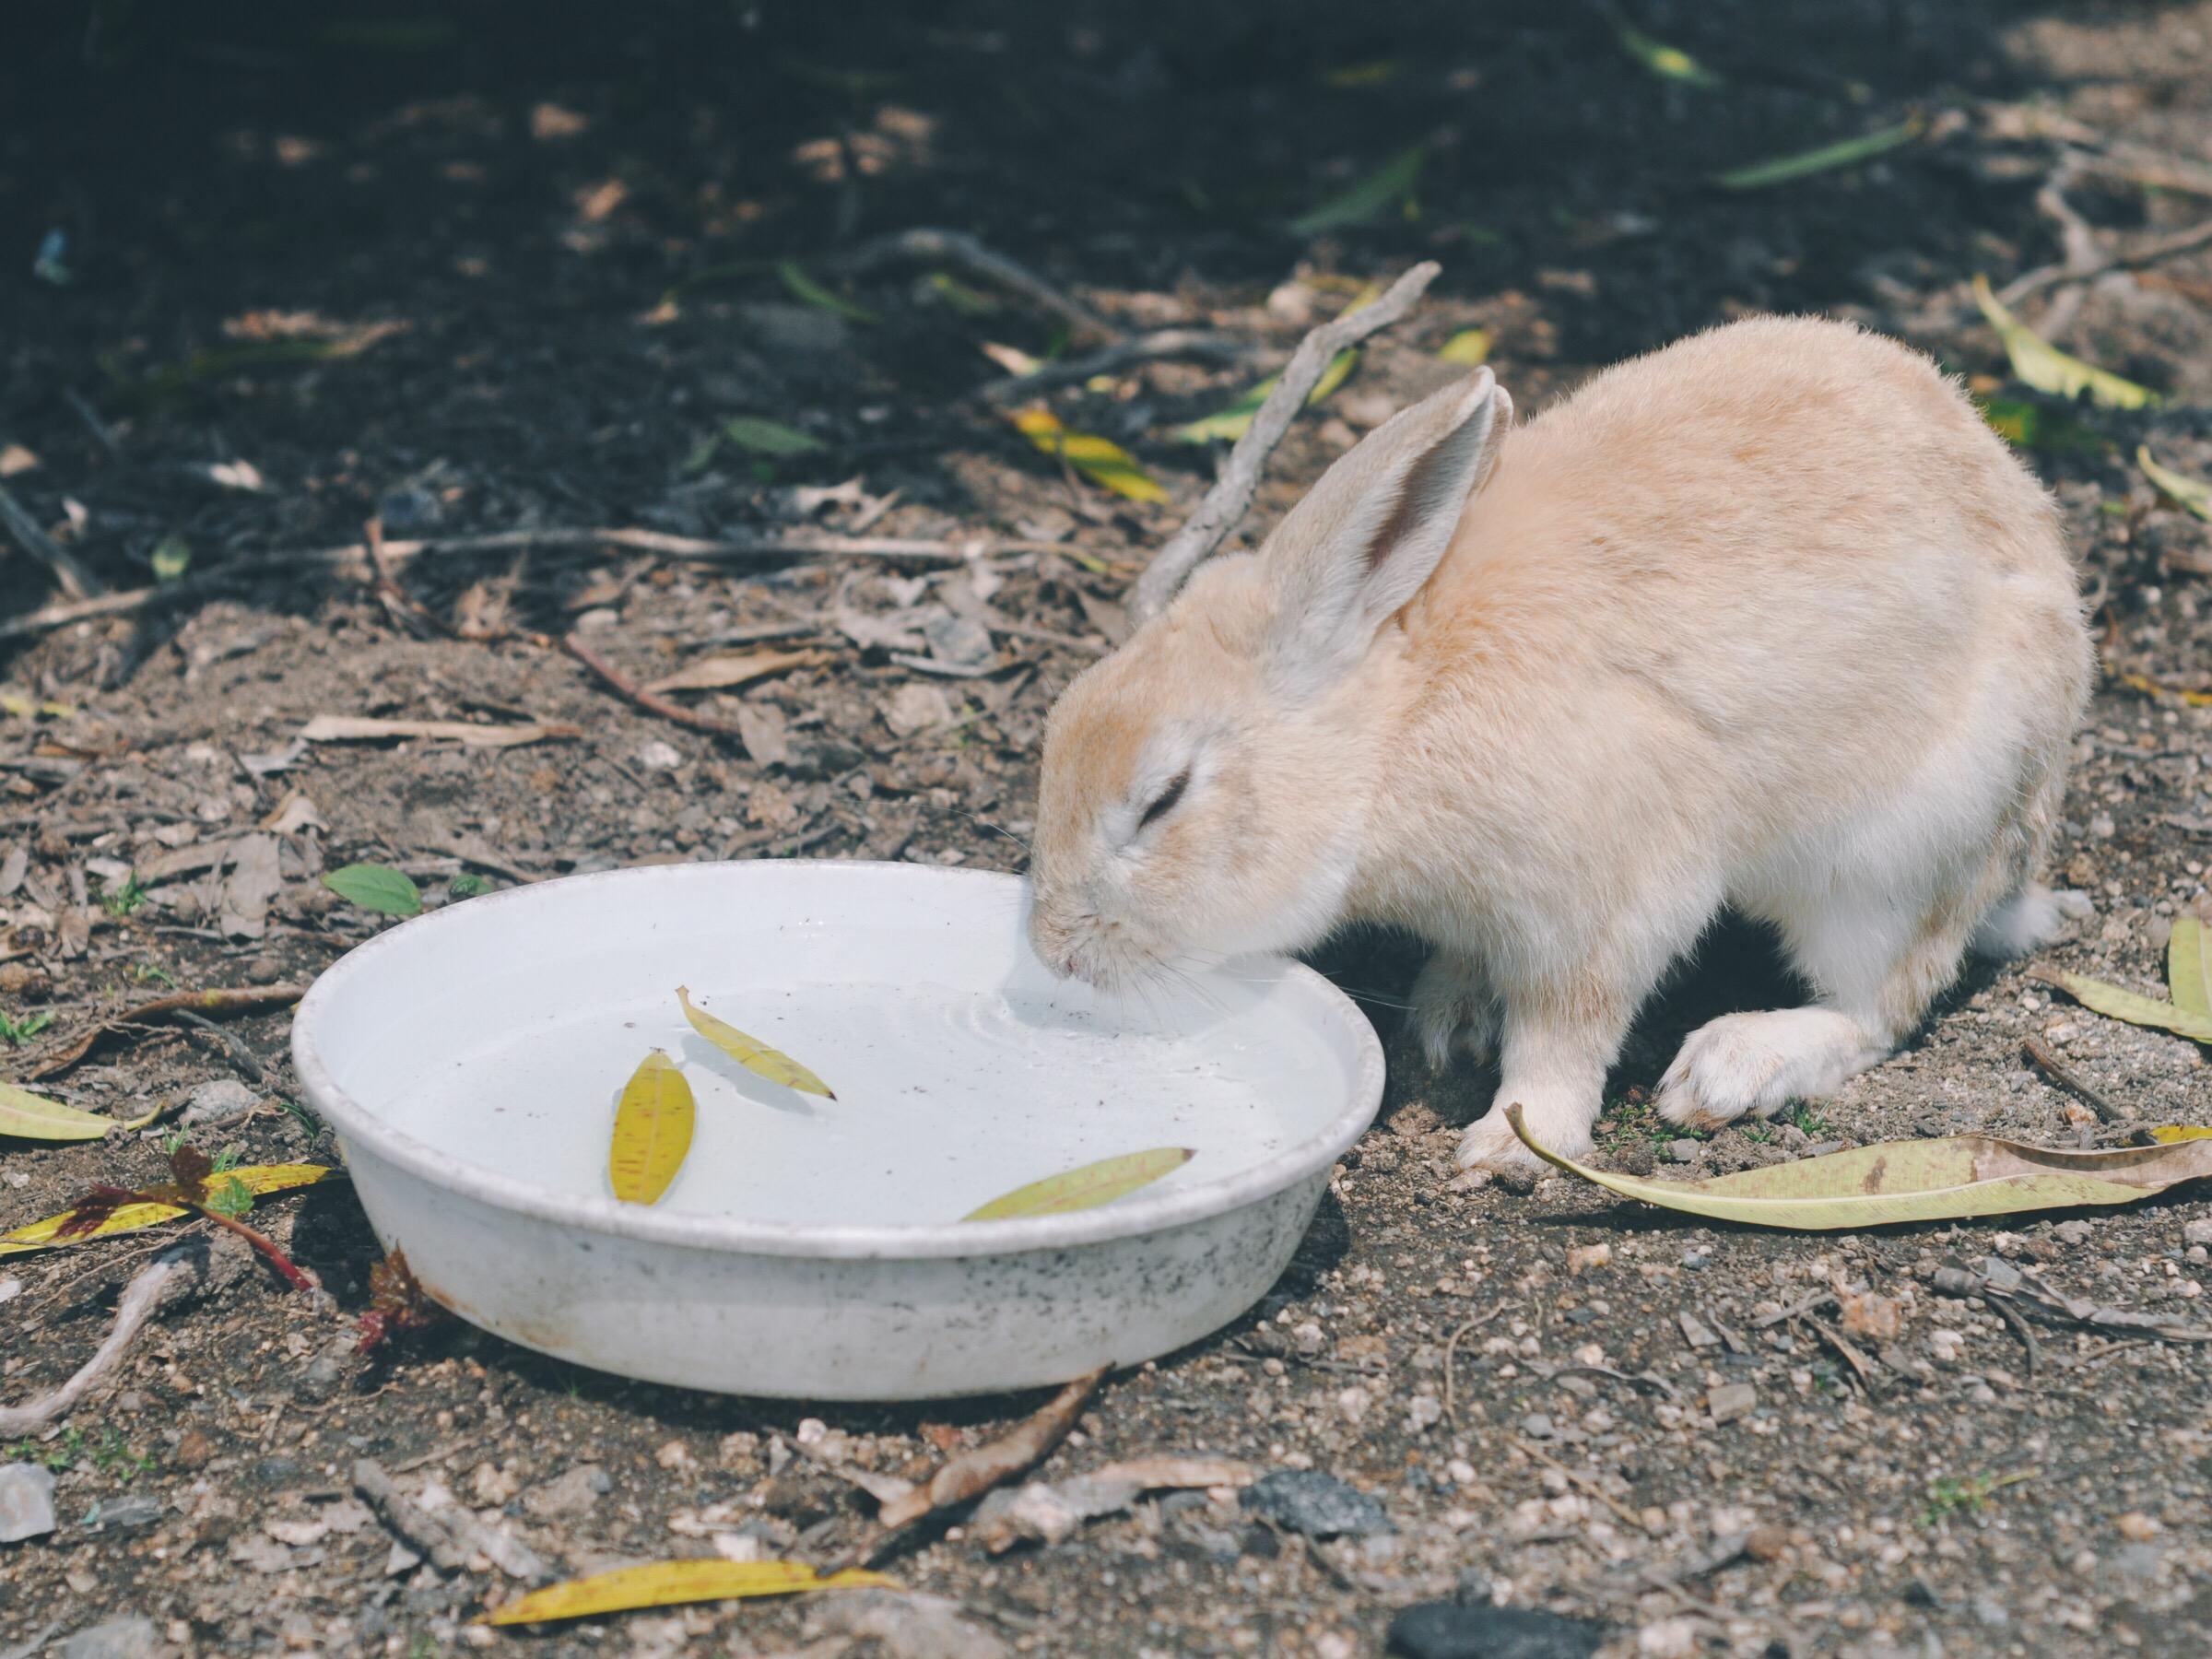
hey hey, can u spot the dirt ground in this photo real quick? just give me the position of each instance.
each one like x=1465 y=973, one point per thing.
x=475 y=274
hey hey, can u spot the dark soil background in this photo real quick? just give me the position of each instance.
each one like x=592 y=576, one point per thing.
x=484 y=268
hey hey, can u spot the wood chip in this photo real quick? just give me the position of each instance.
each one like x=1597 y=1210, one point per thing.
x=354 y=728
x=720 y=672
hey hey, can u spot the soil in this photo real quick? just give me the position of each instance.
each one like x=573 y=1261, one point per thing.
x=477 y=274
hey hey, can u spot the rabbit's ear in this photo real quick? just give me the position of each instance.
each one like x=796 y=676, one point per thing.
x=1366 y=537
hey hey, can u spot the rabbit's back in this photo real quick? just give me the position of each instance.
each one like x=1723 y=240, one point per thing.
x=1766 y=573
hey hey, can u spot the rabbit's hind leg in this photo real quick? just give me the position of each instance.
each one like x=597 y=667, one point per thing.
x=1875 y=966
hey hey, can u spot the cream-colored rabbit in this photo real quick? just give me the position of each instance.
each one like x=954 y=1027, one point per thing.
x=1769 y=618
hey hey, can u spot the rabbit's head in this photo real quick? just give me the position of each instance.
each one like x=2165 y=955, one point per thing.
x=1206 y=788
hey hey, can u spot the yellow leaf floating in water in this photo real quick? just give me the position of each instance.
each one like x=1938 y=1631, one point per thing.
x=1086 y=1188
x=652 y=1131
x=1100 y=461
x=2118 y=1002
x=257 y=1179
x=26 y=1116
x=1949 y=1180
x=2188 y=966
x=674 y=1583
x=750 y=1052
x=2047 y=369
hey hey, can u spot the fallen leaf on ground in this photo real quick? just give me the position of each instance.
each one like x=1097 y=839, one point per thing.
x=2026 y=423
x=1382 y=190
x=2176 y=487
x=1099 y=460
x=258 y=1180
x=2118 y=1002
x=26 y=1116
x=720 y=672
x=2040 y=364
x=224 y=1000
x=804 y=288
x=1228 y=425
x=2151 y=687
x=1084 y=1188
x=972 y=1473
x=1050 y=1513
x=353 y=728
x=1849 y=152
x=377 y=888
x=1470 y=348
x=1952 y=1179
x=1670 y=62
x=750 y=1052
x=675 y=1584
x=2188 y=966
x=761 y=437
x=652 y=1131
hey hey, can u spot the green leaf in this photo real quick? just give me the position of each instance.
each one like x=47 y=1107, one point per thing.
x=2051 y=428
x=2176 y=487
x=1670 y=62
x=171 y=559
x=377 y=888
x=468 y=886
x=1086 y=1188
x=1228 y=424
x=770 y=436
x=1098 y=459
x=26 y=1116
x=1470 y=348
x=1378 y=193
x=2040 y=364
x=805 y=288
x=1954 y=1179
x=2117 y=1003
x=2188 y=966
x=1850 y=152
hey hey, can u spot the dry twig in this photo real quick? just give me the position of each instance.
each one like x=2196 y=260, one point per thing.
x=958 y=249
x=1143 y=349
x=1226 y=502
x=240 y=999
x=68 y=574
x=751 y=550
x=2071 y=1081
x=448 y=1534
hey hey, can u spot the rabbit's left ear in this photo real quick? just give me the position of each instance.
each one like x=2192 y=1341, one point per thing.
x=1350 y=556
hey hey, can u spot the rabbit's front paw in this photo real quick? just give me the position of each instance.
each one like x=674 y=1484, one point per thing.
x=1758 y=1063
x=1453 y=1007
x=1491 y=1143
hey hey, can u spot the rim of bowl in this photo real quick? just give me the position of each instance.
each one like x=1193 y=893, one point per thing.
x=1128 y=1217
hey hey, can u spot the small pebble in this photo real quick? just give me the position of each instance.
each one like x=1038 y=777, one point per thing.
x=1320 y=1506
x=26 y=1501
x=1683 y=1151
x=2197 y=1233
x=1450 y=1630
x=130 y=1638
x=218 y=1098
x=2075 y=1232
x=1730 y=1401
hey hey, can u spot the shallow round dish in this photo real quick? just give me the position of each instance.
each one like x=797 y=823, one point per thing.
x=470 y=1061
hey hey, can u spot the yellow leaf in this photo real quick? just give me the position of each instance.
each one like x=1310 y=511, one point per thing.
x=1232 y=423
x=2151 y=687
x=2166 y=1134
x=1086 y=1188
x=1104 y=463
x=2176 y=487
x=652 y=1131
x=1963 y=1176
x=2040 y=364
x=750 y=1052
x=1470 y=348
x=257 y=1179
x=2117 y=1003
x=26 y=1116
x=673 y=1584
x=2188 y=966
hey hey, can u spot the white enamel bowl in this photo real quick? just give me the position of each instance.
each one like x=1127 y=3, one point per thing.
x=470 y=1061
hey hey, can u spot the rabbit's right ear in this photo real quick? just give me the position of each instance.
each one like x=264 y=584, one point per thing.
x=1350 y=556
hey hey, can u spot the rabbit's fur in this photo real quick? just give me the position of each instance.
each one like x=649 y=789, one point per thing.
x=1769 y=618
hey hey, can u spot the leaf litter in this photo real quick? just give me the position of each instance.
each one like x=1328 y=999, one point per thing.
x=677 y=1584
x=2038 y=363
x=1952 y=1179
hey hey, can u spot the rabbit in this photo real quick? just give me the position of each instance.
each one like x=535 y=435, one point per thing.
x=1769 y=618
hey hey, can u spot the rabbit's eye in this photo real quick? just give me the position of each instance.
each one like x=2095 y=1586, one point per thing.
x=1165 y=800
